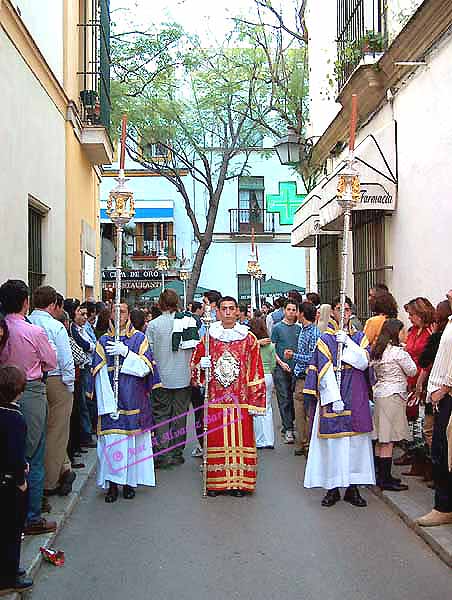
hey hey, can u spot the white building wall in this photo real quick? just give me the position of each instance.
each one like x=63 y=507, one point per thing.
x=40 y=18
x=32 y=155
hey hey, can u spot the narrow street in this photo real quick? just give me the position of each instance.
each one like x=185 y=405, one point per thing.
x=171 y=544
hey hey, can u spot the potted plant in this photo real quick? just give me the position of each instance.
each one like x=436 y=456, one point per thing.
x=372 y=42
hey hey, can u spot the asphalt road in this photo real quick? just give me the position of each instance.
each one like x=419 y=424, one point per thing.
x=170 y=544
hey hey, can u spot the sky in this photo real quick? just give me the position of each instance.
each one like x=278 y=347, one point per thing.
x=210 y=19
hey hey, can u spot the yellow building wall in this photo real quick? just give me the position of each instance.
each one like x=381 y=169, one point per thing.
x=82 y=204
x=82 y=179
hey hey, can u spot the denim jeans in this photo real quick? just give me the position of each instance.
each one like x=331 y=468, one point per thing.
x=284 y=394
x=85 y=417
x=33 y=404
x=36 y=480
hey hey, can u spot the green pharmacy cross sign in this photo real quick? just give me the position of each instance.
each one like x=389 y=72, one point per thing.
x=286 y=202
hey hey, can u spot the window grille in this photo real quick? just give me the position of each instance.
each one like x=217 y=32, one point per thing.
x=368 y=256
x=328 y=272
x=35 y=269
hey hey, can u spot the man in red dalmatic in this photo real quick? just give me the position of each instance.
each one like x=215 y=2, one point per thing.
x=236 y=393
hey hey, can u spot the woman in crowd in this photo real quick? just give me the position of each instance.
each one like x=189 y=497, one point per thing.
x=392 y=365
x=421 y=315
x=384 y=306
x=81 y=360
x=263 y=425
x=102 y=322
x=324 y=317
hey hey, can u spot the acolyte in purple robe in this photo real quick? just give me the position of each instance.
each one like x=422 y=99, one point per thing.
x=356 y=417
x=134 y=403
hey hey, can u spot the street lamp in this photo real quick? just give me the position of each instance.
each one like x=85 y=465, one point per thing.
x=162 y=265
x=293 y=148
x=184 y=275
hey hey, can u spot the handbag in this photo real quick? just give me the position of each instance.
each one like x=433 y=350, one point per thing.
x=78 y=354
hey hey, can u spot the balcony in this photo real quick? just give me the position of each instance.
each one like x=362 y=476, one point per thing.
x=241 y=220
x=138 y=248
x=361 y=35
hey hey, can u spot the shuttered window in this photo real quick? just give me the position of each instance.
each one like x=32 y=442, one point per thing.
x=328 y=273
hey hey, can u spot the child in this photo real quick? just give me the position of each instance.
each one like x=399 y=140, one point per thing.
x=392 y=365
x=13 y=485
x=263 y=424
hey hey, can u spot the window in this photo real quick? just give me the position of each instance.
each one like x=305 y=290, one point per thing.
x=328 y=277
x=251 y=203
x=155 y=151
x=35 y=274
x=368 y=255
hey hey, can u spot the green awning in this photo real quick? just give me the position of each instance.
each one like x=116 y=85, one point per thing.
x=273 y=287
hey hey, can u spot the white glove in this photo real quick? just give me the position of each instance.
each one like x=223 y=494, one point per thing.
x=205 y=362
x=342 y=337
x=338 y=406
x=117 y=349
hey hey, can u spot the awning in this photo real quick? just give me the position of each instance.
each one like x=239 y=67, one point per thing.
x=306 y=219
x=376 y=162
x=273 y=287
x=146 y=211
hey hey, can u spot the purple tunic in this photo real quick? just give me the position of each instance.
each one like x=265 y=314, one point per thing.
x=356 y=417
x=134 y=404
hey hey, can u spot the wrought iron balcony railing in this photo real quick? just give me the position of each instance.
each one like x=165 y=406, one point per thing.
x=95 y=102
x=241 y=220
x=137 y=246
x=361 y=31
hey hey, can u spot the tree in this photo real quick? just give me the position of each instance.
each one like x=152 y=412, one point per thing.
x=207 y=108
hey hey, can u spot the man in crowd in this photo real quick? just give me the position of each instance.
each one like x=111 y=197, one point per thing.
x=276 y=316
x=236 y=392
x=285 y=337
x=340 y=452
x=307 y=341
x=243 y=314
x=439 y=389
x=59 y=387
x=173 y=351
x=28 y=348
x=124 y=450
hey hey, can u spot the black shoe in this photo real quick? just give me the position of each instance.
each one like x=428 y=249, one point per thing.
x=112 y=494
x=212 y=493
x=237 y=493
x=331 y=497
x=128 y=492
x=352 y=496
x=176 y=460
x=299 y=452
x=393 y=486
x=21 y=573
x=66 y=481
x=23 y=583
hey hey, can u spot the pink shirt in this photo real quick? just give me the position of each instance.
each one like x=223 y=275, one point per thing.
x=27 y=348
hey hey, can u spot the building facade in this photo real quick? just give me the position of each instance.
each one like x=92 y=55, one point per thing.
x=265 y=198
x=395 y=57
x=55 y=140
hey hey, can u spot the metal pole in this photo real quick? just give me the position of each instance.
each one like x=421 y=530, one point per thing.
x=163 y=280
x=119 y=232
x=185 y=294
x=253 y=294
x=207 y=321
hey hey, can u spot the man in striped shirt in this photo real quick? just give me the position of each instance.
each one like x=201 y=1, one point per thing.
x=440 y=391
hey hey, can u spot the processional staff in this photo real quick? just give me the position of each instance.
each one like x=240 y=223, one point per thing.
x=207 y=321
x=120 y=209
x=348 y=195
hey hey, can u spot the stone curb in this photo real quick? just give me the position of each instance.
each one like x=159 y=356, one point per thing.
x=31 y=556
x=438 y=538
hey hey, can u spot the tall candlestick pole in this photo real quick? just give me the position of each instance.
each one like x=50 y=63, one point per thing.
x=348 y=194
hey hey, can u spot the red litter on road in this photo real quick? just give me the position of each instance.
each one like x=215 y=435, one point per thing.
x=56 y=557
